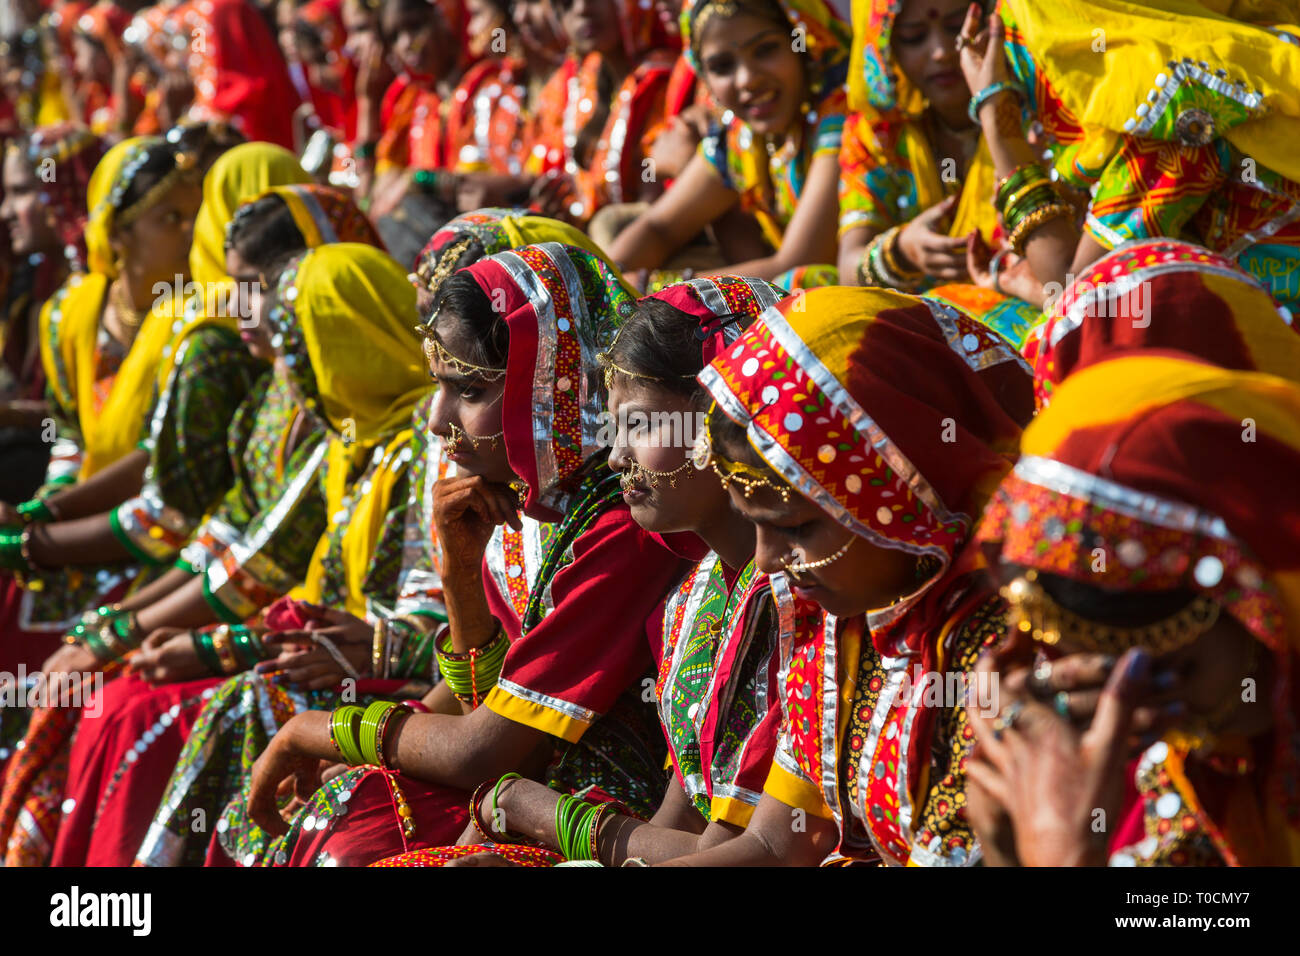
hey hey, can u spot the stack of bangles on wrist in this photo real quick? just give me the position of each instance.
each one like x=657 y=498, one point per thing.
x=880 y=264
x=359 y=736
x=402 y=646
x=228 y=649
x=1026 y=199
x=107 y=632
x=472 y=674
x=492 y=833
x=577 y=827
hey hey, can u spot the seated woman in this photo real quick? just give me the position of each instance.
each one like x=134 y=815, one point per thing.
x=101 y=343
x=44 y=221
x=863 y=480
x=205 y=373
x=776 y=157
x=596 y=106
x=407 y=604
x=1188 y=627
x=254 y=546
x=1163 y=146
x=721 y=626
x=553 y=617
x=916 y=177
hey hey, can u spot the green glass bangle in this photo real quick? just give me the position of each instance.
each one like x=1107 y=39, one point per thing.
x=35 y=510
x=365 y=150
x=1020 y=176
x=92 y=642
x=1036 y=199
x=246 y=645
x=373 y=720
x=345 y=722
x=207 y=653
x=11 y=551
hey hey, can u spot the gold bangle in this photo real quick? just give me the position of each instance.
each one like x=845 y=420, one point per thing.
x=1002 y=183
x=225 y=652
x=377 y=668
x=1022 y=192
x=1035 y=219
x=888 y=248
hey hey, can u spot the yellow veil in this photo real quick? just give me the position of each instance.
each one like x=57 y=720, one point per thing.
x=70 y=322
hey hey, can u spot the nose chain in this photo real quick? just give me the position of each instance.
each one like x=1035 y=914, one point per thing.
x=458 y=436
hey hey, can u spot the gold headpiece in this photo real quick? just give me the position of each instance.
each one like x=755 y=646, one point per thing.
x=747 y=477
x=431 y=275
x=1036 y=613
x=724 y=9
x=185 y=164
x=435 y=349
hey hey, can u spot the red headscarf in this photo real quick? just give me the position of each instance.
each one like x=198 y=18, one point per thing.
x=238 y=70
x=1163 y=294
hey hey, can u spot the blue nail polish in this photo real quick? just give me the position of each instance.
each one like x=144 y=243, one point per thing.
x=1138 y=666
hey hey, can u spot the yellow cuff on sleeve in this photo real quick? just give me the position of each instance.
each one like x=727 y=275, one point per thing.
x=796 y=792
x=730 y=810
x=535 y=715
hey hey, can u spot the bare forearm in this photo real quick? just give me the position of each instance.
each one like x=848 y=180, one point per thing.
x=468 y=614
x=103 y=490
x=83 y=541
x=1051 y=248
x=183 y=607
x=461 y=751
x=641 y=246
x=157 y=590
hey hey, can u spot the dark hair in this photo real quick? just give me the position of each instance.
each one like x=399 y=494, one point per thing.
x=159 y=160
x=264 y=234
x=1116 y=608
x=206 y=141
x=731 y=442
x=659 y=341
x=463 y=305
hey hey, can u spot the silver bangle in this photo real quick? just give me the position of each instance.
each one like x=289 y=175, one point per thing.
x=994 y=265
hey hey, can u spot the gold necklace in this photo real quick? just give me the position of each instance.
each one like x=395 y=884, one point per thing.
x=127 y=314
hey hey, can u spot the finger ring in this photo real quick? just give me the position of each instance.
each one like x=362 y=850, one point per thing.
x=961 y=41
x=1007 y=720
x=1039 y=682
x=1061 y=704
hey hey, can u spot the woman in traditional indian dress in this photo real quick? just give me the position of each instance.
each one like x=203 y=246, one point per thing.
x=245 y=713
x=204 y=374
x=916 y=176
x=776 y=157
x=717 y=684
x=1163 y=294
x=837 y=412
x=313 y=39
x=100 y=350
x=567 y=706
x=45 y=218
x=1200 y=583
x=238 y=73
x=1159 y=141
x=254 y=547
x=594 y=109
x=97 y=52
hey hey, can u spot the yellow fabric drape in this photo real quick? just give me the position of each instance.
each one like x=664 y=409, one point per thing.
x=356 y=312
x=1105 y=88
x=240 y=174
x=111 y=431
x=975 y=207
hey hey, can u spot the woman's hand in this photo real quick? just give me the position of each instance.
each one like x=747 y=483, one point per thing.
x=1058 y=787
x=167 y=656
x=314 y=667
x=553 y=193
x=294 y=754
x=983 y=59
x=70 y=659
x=927 y=247
x=466 y=510
x=479 y=859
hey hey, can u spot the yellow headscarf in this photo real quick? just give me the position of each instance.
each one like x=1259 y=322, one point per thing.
x=1112 y=90
x=346 y=320
x=70 y=322
x=240 y=174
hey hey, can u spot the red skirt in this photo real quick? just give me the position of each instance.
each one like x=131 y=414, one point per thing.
x=119 y=766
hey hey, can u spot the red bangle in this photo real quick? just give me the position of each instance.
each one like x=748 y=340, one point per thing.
x=475 y=799
x=418 y=706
